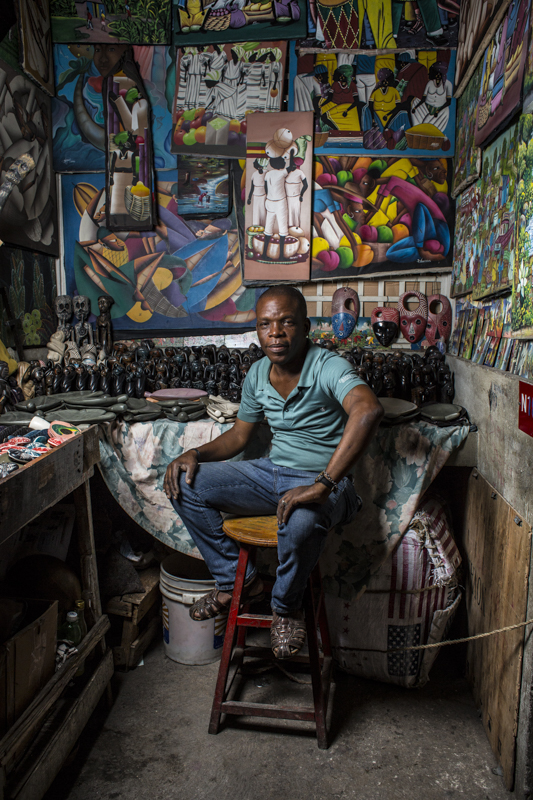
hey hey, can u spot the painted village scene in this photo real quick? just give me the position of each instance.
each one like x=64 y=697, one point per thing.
x=266 y=361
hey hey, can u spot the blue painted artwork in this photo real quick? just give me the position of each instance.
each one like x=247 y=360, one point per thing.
x=184 y=275
x=78 y=114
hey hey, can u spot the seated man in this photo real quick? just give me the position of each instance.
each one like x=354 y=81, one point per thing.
x=322 y=417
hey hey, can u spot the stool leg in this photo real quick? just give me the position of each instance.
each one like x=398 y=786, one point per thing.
x=316 y=672
x=229 y=638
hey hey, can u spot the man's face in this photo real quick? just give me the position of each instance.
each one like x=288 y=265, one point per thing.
x=281 y=328
x=107 y=56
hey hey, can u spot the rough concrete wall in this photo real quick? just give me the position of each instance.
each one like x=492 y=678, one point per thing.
x=505 y=459
x=505 y=454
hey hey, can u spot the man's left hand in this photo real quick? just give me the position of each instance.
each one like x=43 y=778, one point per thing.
x=301 y=496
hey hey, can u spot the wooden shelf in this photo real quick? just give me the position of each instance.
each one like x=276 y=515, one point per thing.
x=29 y=757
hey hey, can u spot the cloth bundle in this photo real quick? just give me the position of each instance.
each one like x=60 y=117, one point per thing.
x=222 y=410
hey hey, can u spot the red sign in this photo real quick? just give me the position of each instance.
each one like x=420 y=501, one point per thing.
x=525 y=407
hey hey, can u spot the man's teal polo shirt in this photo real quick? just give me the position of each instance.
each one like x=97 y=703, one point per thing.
x=308 y=425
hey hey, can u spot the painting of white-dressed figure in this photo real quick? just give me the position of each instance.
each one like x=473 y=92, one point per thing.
x=279 y=158
x=217 y=87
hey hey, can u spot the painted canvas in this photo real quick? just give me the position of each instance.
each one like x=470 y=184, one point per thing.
x=204 y=22
x=377 y=103
x=181 y=276
x=474 y=21
x=29 y=217
x=203 y=187
x=384 y=24
x=78 y=111
x=522 y=304
x=111 y=21
x=129 y=156
x=527 y=91
x=467 y=156
x=503 y=72
x=279 y=159
x=30 y=281
x=36 y=40
x=216 y=87
x=486 y=223
x=378 y=216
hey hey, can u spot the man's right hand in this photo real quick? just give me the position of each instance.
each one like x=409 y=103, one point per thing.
x=188 y=463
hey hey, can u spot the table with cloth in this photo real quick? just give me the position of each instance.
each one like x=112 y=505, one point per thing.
x=391 y=477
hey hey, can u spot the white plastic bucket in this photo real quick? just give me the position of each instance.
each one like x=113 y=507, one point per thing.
x=187 y=641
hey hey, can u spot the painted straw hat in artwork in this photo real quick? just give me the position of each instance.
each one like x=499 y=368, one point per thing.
x=281 y=143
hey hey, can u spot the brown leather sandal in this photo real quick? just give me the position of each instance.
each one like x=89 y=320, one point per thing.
x=287 y=634
x=209 y=605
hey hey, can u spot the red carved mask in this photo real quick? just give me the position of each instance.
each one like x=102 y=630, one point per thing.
x=439 y=324
x=413 y=323
x=385 y=324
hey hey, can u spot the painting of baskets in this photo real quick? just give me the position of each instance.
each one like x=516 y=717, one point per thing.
x=138 y=207
x=321 y=139
x=217 y=23
x=422 y=141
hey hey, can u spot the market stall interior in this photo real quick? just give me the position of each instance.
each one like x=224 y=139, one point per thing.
x=249 y=245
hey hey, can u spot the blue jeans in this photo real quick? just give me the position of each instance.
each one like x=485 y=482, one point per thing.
x=254 y=488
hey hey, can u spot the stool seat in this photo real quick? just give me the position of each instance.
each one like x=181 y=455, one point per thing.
x=257 y=531
x=253 y=532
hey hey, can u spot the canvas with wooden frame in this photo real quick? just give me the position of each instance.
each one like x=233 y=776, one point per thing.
x=279 y=155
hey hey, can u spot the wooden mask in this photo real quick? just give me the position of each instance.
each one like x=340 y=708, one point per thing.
x=439 y=324
x=344 y=318
x=413 y=323
x=385 y=324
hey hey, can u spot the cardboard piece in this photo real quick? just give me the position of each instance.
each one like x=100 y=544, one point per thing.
x=27 y=662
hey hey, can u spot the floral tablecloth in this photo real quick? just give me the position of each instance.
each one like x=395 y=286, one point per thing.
x=391 y=477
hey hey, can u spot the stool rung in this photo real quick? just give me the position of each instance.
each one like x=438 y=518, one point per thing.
x=304 y=713
x=254 y=620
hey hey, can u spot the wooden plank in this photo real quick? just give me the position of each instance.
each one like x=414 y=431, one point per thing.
x=136 y=604
x=38 y=779
x=140 y=644
x=17 y=737
x=29 y=491
x=117 y=606
x=87 y=550
x=497 y=551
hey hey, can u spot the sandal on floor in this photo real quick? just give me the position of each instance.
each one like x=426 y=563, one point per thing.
x=287 y=634
x=209 y=605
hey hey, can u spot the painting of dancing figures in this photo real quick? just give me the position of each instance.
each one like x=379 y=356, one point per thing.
x=278 y=197
x=217 y=87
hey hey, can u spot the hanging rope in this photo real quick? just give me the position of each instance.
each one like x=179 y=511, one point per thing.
x=436 y=644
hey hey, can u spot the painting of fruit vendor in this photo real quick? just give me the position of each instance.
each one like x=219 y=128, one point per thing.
x=372 y=103
x=375 y=216
x=202 y=22
x=183 y=275
x=217 y=87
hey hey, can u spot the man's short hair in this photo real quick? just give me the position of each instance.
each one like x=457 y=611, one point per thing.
x=287 y=291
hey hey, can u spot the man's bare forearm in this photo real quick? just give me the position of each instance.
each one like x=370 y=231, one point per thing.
x=365 y=414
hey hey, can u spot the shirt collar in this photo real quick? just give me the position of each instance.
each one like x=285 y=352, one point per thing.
x=307 y=375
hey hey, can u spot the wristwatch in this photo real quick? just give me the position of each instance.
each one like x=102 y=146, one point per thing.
x=327 y=480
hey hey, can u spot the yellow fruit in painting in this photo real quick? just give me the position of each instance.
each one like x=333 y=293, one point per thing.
x=140 y=190
x=319 y=244
x=162 y=278
x=364 y=256
x=138 y=314
x=399 y=231
x=344 y=242
x=318 y=169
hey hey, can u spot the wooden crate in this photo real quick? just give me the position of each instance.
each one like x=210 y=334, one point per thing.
x=497 y=544
x=136 y=616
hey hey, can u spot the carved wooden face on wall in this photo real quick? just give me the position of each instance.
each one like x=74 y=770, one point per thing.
x=385 y=324
x=413 y=323
x=439 y=324
x=344 y=312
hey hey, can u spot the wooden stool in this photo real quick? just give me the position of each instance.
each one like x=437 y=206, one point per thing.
x=253 y=532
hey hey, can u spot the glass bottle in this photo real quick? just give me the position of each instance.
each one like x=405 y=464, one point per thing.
x=80 y=608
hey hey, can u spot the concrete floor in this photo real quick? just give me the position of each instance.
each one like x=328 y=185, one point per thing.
x=388 y=743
